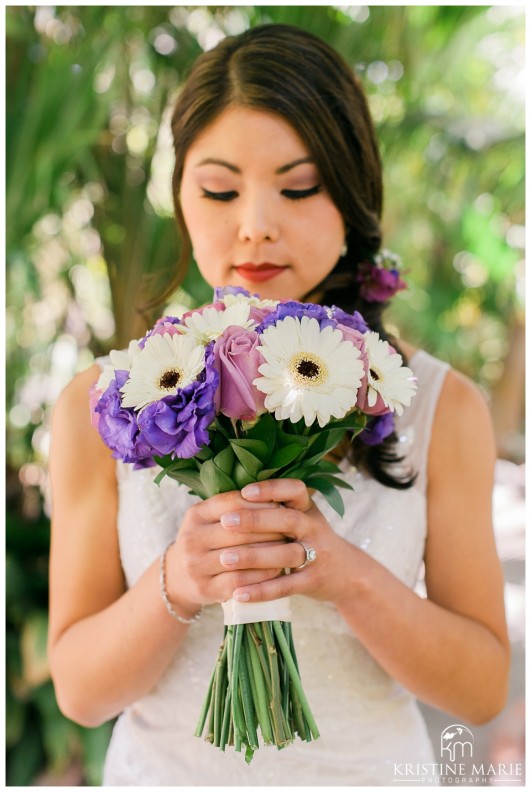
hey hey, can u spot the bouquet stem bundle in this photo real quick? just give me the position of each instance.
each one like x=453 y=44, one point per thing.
x=256 y=686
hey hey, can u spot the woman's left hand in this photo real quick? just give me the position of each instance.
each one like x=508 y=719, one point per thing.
x=324 y=578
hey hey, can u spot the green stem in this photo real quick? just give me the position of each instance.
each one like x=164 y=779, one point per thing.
x=247 y=700
x=284 y=648
x=285 y=676
x=257 y=636
x=225 y=728
x=260 y=695
x=237 y=714
x=280 y=727
x=219 y=695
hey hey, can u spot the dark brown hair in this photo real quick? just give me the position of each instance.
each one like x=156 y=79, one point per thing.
x=286 y=70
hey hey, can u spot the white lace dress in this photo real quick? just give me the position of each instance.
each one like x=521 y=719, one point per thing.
x=367 y=721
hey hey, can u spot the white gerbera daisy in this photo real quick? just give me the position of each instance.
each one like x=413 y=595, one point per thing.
x=120 y=360
x=387 y=376
x=252 y=301
x=209 y=324
x=166 y=364
x=309 y=372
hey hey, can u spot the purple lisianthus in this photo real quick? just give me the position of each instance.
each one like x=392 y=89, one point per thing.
x=298 y=310
x=378 y=284
x=354 y=320
x=118 y=426
x=178 y=424
x=236 y=359
x=377 y=429
x=221 y=291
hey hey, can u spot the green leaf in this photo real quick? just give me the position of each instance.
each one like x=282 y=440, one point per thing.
x=225 y=460
x=355 y=421
x=284 y=456
x=191 y=478
x=172 y=466
x=338 y=482
x=330 y=493
x=264 y=430
x=250 y=462
x=214 y=480
x=241 y=477
x=258 y=448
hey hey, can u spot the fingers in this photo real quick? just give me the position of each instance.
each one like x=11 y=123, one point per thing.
x=279 y=555
x=275 y=588
x=289 y=522
x=293 y=493
x=211 y=509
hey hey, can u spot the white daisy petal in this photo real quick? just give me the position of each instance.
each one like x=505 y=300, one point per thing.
x=166 y=364
x=387 y=378
x=310 y=373
x=209 y=324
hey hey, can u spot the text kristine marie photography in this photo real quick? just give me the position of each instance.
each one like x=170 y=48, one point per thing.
x=457 y=765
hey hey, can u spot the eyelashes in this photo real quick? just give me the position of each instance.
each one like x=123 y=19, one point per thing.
x=292 y=195
x=297 y=195
x=219 y=196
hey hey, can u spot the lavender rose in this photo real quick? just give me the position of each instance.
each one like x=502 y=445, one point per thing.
x=236 y=359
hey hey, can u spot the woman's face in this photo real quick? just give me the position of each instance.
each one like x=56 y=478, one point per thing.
x=256 y=211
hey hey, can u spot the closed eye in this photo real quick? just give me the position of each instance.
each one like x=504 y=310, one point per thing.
x=297 y=195
x=219 y=196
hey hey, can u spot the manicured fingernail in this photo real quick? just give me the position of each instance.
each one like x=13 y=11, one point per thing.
x=243 y=597
x=251 y=491
x=228 y=558
x=233 y=518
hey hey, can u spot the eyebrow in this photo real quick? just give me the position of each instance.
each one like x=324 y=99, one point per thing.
x=235 y=169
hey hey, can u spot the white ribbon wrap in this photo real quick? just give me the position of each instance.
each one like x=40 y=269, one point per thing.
x=249 y=612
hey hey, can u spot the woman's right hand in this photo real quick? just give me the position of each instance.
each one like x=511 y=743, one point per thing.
x=195 y=575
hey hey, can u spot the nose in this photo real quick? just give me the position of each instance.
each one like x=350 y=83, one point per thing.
x=259 y=221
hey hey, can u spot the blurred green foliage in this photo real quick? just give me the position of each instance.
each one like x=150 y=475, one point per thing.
x=89 y=219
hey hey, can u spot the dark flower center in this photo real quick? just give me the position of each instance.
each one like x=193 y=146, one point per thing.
x=308 y=369
x=374 y=375
x=170 y=379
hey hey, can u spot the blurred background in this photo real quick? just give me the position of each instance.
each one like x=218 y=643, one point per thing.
x=90 y=233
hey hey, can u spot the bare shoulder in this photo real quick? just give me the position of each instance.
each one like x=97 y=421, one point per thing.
x=71 y=420
x=462 y=430
x=75 y=396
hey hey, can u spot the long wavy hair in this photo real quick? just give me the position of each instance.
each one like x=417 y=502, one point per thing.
x=286 y=70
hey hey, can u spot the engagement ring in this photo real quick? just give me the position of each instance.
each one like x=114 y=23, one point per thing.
x=311 y=554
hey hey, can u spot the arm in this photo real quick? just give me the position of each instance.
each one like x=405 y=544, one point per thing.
x=100 y=659
x=451 y=650
x=108 y=646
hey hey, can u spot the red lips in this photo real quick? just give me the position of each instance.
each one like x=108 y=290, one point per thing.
x=257 y=273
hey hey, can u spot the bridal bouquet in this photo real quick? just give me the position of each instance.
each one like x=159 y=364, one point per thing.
x=240 y=391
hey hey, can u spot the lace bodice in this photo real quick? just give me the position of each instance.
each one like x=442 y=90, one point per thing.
x=367 y=720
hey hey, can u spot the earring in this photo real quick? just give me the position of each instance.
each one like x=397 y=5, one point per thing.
x=344 y=249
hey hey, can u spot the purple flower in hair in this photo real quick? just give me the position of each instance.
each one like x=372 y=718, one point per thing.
x=379 y=278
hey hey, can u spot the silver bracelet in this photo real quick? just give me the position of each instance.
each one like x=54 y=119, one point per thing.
x=164 y=593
